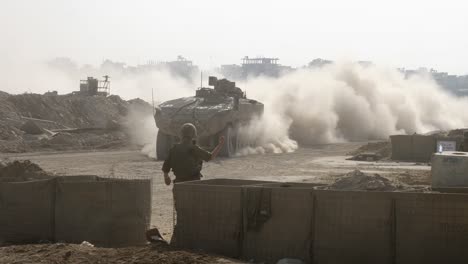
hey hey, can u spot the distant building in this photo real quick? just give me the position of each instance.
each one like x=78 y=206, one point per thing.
x=254 y=67
x=455 y=84
x=317 y=63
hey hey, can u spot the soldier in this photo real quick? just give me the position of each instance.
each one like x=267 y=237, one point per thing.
x=186 y=158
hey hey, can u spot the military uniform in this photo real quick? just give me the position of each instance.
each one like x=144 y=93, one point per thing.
x=186 y=159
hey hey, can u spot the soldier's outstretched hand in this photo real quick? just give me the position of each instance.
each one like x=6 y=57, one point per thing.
x=221 y=140
x=167 y=179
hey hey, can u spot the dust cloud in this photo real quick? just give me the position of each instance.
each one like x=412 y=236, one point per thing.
x=157 y=85
x=347 y=102
x=335 y=103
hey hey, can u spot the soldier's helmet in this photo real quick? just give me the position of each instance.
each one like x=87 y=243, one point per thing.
x=188 y=130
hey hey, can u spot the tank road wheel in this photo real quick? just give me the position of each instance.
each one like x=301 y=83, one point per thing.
x=163 y=145
x=230 y=143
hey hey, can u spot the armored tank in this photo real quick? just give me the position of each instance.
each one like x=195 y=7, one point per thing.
x=215 y=112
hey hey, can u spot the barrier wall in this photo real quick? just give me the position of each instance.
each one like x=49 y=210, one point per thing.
x=401 y=147
x=431 y=228
x=209 y=215
x=322 y=226
x=353 y=227
x=288 y=230
x=417 y=147
x=423 y=147
x=413 y=147
x=26 y=211
x=105 y=212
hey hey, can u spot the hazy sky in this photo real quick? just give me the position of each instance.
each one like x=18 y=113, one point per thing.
x=397 y=32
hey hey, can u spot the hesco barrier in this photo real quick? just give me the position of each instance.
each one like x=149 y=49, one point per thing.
x=209 y=215
x=321 y=226
x=431 y=228
x=26 y=211
x=353 y=227
x=402 y=148
x=413 y=147
x=287 y=231
x=105 y=212
x=417 y=147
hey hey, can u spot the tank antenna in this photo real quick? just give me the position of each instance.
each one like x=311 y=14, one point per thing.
x=201 y=79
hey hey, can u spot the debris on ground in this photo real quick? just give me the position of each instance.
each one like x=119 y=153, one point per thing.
x=22 y=170
x=372 y=151
x=154 y=236
x=73 y=253
x=86 y=244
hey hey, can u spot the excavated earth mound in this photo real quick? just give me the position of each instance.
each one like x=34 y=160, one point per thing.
x=34 y=122
x=359 y=181
x=22 y=171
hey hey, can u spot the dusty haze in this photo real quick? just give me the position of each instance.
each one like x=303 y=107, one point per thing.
x=339 y=102
x=350 y=102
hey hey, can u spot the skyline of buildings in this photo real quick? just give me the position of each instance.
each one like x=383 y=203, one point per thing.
x=248 y=68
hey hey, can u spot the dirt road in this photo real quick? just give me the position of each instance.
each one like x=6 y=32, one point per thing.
x=321 y=164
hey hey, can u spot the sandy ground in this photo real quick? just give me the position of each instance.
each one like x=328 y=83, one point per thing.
x=320 y=164
x=68 y=253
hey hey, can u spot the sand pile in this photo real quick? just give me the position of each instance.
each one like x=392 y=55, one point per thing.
x=22 y=171
x=403 y=182
x=357 y=180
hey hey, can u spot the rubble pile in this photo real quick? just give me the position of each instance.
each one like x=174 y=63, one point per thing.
x=19 y=170
x=34 y=122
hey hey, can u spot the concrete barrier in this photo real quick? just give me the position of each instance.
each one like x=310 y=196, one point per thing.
x=353 y=227
x=105 y=212
x=449 y=169
x=431 y=228
x=27 y=211
x=288 y=230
